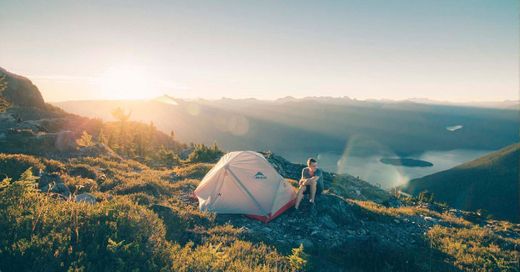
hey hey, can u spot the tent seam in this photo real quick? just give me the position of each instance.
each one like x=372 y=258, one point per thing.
x=247 y=191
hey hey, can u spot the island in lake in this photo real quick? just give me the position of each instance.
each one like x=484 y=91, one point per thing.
x=406 y=162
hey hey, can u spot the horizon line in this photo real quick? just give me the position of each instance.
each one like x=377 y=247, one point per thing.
x=421 y=100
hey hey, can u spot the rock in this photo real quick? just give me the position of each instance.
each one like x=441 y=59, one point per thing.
x=47 y=178
x=21 y=91
x=266 y=229
x=428 y=218
x=62 y=189
x=54 y=184
x=86 y=198
x=328 y=222
x=102 y=178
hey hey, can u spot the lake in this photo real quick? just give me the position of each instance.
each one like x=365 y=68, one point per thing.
x=371 y=169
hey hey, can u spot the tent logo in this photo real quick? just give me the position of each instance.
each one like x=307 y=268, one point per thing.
x=260 y=175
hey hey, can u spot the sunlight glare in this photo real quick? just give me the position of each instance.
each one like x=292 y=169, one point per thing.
x=127 y=82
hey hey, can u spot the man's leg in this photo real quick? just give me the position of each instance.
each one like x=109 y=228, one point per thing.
x=299 y=196
x=313 y=191
x=319 y=187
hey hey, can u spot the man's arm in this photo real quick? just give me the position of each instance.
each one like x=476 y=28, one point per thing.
x=306 y=177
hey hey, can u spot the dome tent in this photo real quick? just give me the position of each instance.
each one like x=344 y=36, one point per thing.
x=244 y=182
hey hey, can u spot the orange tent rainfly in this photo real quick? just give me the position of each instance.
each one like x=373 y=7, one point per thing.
x=244 y=182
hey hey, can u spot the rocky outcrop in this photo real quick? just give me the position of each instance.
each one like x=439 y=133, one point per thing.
x=31 y=126
x=21 y=91
x=343 y=184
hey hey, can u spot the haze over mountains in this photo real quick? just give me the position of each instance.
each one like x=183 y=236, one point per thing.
x=319 y=124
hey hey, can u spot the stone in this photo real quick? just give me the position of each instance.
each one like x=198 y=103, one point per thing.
x=85 y=198
x=328 y=222
x=266 y=229
x=61 y=189
x=21 y=91
x=53 y=183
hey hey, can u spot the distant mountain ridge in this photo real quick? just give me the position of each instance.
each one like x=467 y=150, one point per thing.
x=318 y=125
x=490 y=183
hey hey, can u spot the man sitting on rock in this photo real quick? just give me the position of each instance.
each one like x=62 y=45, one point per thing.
x=310 y=183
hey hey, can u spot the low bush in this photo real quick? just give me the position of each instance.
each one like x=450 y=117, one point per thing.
x=476 y=248
x=13 y=165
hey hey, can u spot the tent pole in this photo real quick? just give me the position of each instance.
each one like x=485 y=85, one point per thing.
x=247 y=191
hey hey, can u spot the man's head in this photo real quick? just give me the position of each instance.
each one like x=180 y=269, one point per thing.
x=312 y=164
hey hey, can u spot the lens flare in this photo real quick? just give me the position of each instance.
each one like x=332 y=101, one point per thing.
x=356 y=162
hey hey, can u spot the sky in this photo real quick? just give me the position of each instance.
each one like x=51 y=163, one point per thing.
x=454 y=50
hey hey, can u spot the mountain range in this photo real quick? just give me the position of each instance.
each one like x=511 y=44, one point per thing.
x=319 y=124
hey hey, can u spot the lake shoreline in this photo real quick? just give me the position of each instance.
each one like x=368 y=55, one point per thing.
x=371 y=169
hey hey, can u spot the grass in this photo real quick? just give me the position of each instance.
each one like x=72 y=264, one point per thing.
x=405 y=211
x=477 y=248
x=144 y=219
x=118 y=234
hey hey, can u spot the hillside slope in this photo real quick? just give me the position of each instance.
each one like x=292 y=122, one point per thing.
x=142 y=218
x=490 y=183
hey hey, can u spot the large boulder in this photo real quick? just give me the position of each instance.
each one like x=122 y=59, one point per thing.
x=21 y=91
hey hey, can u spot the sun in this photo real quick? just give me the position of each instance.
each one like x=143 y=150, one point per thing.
x=126 y=82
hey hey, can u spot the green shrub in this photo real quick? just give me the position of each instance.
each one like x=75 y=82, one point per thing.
x=45 y=234
x=168 y=158
x=180 y=219
x=110 y=164
x=41 y=233
x=426 y=197
x=53 y=166
x=298 y=258
x=203 y=153
x=476 y=248
x=80 y=185
x=141 y=198
x=85 y=140
x=13 y=165
x=238 y=256
x=192 y=171
x=83 y=170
